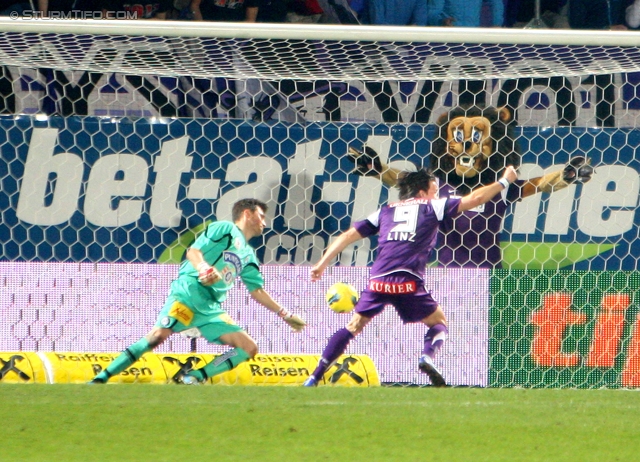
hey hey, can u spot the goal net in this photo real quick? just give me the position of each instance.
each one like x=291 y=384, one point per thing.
x=121 y=140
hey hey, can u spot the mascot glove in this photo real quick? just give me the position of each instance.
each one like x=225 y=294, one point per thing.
x=578 y=170
x=367 y=162
x=295 y=322
x=207 y=275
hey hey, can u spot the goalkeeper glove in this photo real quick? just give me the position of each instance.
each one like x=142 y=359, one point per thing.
x=295 y=322
x=207 y=275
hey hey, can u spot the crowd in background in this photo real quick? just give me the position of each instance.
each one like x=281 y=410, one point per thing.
x=575 y=14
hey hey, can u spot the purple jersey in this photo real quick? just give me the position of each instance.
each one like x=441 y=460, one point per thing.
x=408 y=231
x=473 y=237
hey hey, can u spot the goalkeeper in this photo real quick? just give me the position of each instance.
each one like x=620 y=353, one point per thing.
x=193 y=306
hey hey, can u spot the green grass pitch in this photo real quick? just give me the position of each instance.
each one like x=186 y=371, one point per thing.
x=227 y=423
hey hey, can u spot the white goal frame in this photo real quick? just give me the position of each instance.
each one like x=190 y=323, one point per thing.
x=545 y=53
x=290 y=31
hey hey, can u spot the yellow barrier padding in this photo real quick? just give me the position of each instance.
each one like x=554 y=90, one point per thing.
x=288 y=369
x=82 y=367
x=20 y=367
x=162 y=368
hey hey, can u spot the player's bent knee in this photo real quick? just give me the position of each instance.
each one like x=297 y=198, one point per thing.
x=357 y=323
x=252 y=351
x=249 y=346
x=241 y=340
x=437 y=317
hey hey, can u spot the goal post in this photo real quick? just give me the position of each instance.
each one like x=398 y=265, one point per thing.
x=120 y=141
x=237 y=50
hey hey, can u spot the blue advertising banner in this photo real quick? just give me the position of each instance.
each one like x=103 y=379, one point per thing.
x=86 y=189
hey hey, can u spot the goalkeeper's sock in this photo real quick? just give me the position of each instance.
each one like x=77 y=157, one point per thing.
x=222 y=363
x=124 y=360
x=336 y=346
x=434 y=339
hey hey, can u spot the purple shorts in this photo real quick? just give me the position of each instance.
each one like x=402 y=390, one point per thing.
x=407 y=295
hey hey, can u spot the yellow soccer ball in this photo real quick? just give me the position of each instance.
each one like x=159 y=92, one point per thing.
x=342 y=297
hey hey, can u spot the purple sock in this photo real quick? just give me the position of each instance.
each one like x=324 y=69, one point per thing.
x=434 y=339
x=336 y=346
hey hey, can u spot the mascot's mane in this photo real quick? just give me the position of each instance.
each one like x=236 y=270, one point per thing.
x=505 y=151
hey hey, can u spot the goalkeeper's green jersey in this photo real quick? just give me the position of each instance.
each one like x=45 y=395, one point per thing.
x=224 y=247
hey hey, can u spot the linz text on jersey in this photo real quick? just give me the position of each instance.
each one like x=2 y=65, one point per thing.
x=401 y=236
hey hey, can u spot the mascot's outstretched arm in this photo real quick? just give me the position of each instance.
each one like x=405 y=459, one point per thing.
x=577 y=171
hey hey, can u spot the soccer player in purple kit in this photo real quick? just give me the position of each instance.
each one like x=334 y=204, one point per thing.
x=407 y=234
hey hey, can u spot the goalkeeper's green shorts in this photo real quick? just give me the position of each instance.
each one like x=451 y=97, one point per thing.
x=178 y=317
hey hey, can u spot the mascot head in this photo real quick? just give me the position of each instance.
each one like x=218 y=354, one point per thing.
x=473 y=145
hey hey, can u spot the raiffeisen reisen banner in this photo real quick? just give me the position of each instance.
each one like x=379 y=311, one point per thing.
x=121 y=190
x=98 y=309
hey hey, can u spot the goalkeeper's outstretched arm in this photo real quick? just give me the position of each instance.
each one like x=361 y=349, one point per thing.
x=265 y=299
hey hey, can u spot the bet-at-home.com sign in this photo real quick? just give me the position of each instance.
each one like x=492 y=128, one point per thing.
x=153 y=183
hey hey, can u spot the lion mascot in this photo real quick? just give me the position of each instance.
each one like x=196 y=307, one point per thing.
x=472 y=146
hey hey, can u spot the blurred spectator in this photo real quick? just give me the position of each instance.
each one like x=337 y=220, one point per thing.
x=468 y=13
x=599 y=14
x=145 y=9
x=226 y=11
x=344 y=11
x=273 y=10
x=181 y=10
x=305 y=11
x=68 y=8
x=398 y=13
x=18 y=6
x=632 y=14
x=62 y=97
x=142 y=9
x=519 y=13
x=37 y=8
